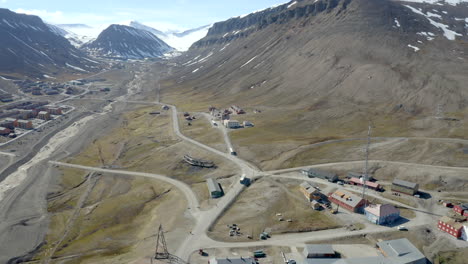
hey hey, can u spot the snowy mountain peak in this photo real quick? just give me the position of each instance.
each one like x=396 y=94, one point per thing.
x=120 y=41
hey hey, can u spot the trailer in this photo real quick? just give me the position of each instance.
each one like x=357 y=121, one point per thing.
x=231 y=150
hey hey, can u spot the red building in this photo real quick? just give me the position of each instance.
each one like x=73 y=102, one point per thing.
x=4 y=131
x=369 y=184
x=461 y=209
x=347 y=200
x=450 y=226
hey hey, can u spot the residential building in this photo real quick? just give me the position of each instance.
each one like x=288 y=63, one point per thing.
x=450 y=226
x=347 y=200
x=5 y=97
x=405 y=187
x=359 y=181
x=231 y=123
x=461 y=209
x=315 y=173
x=24 y=124
x=214 y=188
x=318 y=251
x=26 y=114
x=4 y=131
x=309 y=191
x=382 y=214
x=227 y=260
x=44 y=115
x=54 y=110
x=8 y=123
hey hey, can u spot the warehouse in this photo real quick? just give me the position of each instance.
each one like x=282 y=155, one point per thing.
x=405 y=187
x=347 y=200
x=382 y=214
x=214 y=188
x=371 y=185
x=318 y=251
x=314 y=173
x=309 y=191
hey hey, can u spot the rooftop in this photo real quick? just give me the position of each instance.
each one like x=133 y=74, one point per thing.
x=213 y=185
x=346 y=197
x=318 y=249
x=407 y=184
x=240 y=260
x=451 y=222
x=382 y=209
x=368 y=183
x=308 y=187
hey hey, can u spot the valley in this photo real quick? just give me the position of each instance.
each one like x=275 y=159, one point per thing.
x=279 y=131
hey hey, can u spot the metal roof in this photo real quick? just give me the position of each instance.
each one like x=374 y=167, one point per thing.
x=347 y=197
x=382 y=209
x=228 y=260
x=402 y=251
x=318 y=249
x=309 y=188
x=407 y=184
x=213 y=185
x=327 y=174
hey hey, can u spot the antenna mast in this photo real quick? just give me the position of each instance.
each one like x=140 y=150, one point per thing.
x=366 y=167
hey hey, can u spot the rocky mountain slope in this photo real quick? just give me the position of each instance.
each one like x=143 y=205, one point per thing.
x=30 y=47
x=125 y=42
x=354 y=51
x=323 y=69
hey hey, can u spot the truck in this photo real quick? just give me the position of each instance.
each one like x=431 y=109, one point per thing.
x=244 y=180
x=231 y=150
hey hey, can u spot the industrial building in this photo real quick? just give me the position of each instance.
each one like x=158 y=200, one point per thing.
x=227 y=260
x=461 y=209
x=450 y=226
x=347 y=200
x=309 y=191
x=318 y=251
x=352 y=174
x=399 y=251
x=236 y=109
x=405 y=187
x=314 y=173
x=214 y=188
x=382 y=214
x=231 y=124
x=369 y=184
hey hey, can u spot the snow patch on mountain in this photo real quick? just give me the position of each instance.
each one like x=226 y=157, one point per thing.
x=438 y=2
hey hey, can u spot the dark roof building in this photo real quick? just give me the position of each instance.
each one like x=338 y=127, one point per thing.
x=319 y=251
x=314 y=173
x=214 y=188
x=405 y=187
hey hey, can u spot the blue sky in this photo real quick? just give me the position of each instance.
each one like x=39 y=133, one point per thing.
x=167 y=14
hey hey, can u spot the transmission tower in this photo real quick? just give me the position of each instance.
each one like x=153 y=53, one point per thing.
x=366 y=166
x=161 y=247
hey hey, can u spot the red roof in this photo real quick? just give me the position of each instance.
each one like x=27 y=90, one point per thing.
x=368 y=183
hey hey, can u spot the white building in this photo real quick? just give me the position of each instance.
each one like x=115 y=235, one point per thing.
x=231 y=123
x=464 y=233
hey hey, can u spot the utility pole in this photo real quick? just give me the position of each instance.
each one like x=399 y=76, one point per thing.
x=366 y=166
x=161 y=246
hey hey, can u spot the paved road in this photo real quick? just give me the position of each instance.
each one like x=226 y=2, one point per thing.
x=370 y=162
